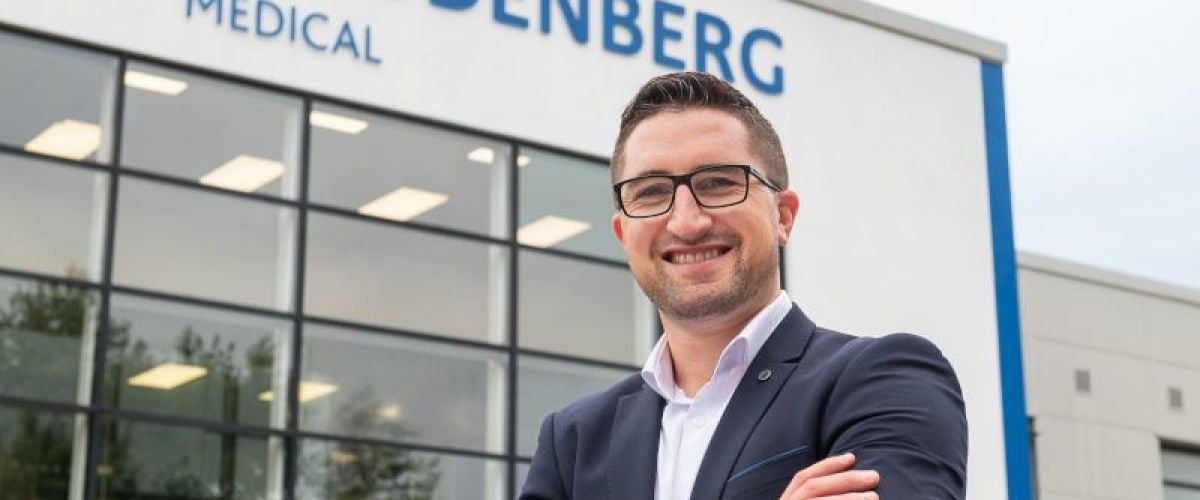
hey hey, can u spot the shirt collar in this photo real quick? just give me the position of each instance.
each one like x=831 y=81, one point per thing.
x=658 y=374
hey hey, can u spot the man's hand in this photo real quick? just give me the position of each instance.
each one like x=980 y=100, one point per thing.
x=831 y=479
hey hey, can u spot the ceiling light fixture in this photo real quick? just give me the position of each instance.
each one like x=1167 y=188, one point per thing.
x=403 y=204
x=549 y=231
x=155 y=83
x=245 y=173
x=71 y=139
x=338 y=123
x=168 y=376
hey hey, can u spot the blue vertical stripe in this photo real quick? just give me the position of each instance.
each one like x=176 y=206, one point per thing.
x=1004 y=261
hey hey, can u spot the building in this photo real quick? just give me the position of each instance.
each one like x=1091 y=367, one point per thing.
x=269 y=249
x=1114 y=382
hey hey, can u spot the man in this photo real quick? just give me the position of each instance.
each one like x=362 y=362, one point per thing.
x=743 y=396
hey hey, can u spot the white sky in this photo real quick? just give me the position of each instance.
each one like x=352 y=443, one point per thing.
x=1103 y=126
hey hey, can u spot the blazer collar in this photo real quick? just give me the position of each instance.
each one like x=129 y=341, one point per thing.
x=633 y=445
x=750 y=400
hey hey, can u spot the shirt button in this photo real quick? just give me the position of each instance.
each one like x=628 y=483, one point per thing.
x=698 y=422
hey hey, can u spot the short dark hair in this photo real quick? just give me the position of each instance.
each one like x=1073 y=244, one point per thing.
x=690 y=89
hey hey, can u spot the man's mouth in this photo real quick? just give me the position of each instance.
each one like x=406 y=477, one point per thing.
x=692 y=256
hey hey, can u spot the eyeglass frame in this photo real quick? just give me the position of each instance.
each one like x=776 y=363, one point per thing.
x=686 y=179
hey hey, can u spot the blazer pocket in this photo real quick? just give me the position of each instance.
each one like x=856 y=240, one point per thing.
x=766 y=475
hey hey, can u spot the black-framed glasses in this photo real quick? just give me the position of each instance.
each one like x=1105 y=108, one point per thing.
x=714 y=186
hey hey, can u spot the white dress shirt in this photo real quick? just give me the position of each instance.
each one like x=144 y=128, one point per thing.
x=688 y=423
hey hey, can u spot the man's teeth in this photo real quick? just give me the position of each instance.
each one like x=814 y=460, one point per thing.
x=689 y=258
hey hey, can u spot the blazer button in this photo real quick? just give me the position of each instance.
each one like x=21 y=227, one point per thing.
x=764 y=375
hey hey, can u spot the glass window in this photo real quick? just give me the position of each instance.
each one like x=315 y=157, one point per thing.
x=57 y=100
x=51 y=217
x=376 y=273
x=204 y=244
x=217 y=133
x=522 y=471
x=566 y=204
x=36 y=448
x=388 y=387
x=545 y=386
x=42 y=331
x=403 y=171
x=1181 y=474
x=338 y=470
x=144 y=460
x=196 y=361
x=608 y=319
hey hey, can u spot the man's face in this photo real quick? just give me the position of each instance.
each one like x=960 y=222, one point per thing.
x=696 y=262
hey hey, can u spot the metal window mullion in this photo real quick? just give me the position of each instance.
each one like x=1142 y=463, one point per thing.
x=291 y=441
x=514 y=194
x=95 y=420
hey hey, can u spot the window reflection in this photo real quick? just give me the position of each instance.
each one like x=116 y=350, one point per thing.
x=351 y=471
x=143 y=460
x=397 y=170
x=57 y=100
x=609 y=319
x=42 y=330
x=194 y=361
x=216 y=133
x=35 y=454
x=51 y=217
x=376 y=273
x=204 y=244
x=566 y=204
x=548 y=385
x=386 y=387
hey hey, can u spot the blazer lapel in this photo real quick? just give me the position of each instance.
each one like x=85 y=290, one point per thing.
x=750 y=400
x=633 y=446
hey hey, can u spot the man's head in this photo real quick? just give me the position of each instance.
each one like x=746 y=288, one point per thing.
x=696 y=262
x=675 y=92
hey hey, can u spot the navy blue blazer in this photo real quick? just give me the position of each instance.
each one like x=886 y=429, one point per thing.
x=893 y=401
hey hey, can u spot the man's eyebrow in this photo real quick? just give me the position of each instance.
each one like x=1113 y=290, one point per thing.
x=661 y=171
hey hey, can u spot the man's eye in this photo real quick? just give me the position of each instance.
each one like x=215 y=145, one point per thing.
x=715 y=183
x=651 y=191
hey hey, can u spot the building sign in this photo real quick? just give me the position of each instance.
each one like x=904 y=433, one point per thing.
x=627 y=28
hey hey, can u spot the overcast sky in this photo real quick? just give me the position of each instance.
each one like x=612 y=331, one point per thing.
x=1103 y=126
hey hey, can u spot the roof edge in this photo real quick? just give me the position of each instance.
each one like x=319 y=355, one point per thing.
x=1106 y=277
x=912 y=26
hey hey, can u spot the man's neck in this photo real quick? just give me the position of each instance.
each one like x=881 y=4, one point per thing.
x=696 y=343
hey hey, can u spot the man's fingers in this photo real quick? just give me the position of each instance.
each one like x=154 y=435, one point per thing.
x=866 y=495
x=831 y=465
x=841 y=483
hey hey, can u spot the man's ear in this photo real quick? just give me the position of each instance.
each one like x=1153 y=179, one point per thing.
x=788 y=206
x=617 y=229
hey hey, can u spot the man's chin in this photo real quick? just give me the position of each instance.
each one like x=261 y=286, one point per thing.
x=695 y=304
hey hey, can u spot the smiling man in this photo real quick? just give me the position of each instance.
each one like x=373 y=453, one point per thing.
x=743 y=396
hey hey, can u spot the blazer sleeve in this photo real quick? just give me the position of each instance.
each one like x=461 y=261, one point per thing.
x=544 y=481
x=898 y=406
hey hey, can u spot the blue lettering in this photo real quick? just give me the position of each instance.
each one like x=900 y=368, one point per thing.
x=205 y=5
x=705 y=47
x=453 y=4
x=367 y=44
x=259 y=15
x=502 y=16
x=292 y=24
x=304 y=30
x=662 y=33
x=345 y=38
x=236 y=12
x=577 y=20
x=627 y=21
x=775 y=86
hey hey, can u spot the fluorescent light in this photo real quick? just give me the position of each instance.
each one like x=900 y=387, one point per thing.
x=155 y=83
x=339 y=123
x=549 y=231
x=245 y=173
x=343 y=457
x=522 y=160
x=390 y=412
x=308 y=391
x=482 y=154
x=68 y=138
x=168 y=376
x=403 y=204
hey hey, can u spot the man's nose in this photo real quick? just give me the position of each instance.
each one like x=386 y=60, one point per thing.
x=687 y=219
